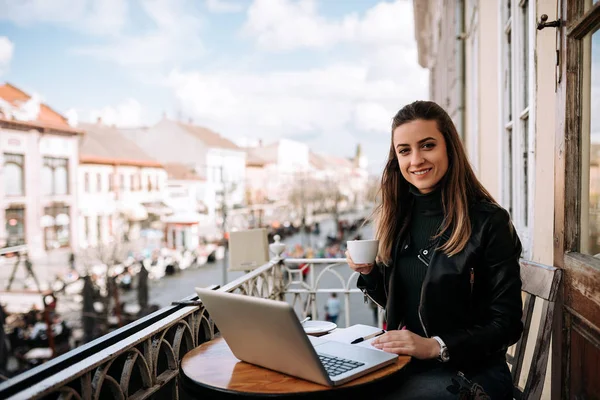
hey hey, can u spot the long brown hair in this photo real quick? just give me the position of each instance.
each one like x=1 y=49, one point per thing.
x=460 y=187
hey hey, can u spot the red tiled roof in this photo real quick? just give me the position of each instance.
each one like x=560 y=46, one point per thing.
x=47 y=117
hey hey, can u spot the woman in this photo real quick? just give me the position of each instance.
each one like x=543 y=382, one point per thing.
x=447 y=271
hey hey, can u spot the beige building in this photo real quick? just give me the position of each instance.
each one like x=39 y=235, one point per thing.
x=121 y=189
x=524 y=93
x=39 y=151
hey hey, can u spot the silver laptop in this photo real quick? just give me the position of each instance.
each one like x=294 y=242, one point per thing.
x=268 y=333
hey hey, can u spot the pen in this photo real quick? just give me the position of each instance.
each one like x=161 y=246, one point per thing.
x=372 y=335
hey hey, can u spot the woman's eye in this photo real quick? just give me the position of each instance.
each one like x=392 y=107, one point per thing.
x=428 y=146
x=403 y=151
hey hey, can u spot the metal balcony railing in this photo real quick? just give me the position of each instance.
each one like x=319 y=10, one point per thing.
x=141 y=360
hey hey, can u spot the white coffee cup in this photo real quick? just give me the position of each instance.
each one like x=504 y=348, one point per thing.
x=363 y=251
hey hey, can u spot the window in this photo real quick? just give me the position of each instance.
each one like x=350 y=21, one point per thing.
x=99 y=234
x=517 y=106
x=86 y=182
x=56 y=224
x=590 y=207
x=149 y=183
x=121 y=182
x=14 y=177
x=132 y=182
x=15 y=226
x=86 y=228
x=55 y=175
x=99 y=183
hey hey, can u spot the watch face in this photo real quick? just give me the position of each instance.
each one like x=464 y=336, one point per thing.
x=445 y=356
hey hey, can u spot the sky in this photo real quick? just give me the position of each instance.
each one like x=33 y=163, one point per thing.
x=329 y=73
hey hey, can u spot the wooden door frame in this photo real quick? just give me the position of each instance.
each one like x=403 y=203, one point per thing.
x=567 y=205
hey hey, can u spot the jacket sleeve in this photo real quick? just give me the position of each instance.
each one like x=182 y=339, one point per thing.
x=499 y=326
x=373 y=285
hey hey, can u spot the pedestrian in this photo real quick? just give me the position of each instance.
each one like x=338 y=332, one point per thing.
x=375 y=310
x=4 y=350
x=447 y=270
x=332 y=308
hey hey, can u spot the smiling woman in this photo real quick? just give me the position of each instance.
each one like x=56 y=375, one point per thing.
x=447 y=271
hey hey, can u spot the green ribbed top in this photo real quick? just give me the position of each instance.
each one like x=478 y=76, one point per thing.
x=426 y=219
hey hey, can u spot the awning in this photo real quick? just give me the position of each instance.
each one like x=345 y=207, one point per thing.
x=183 y=217
x=157 y=208
x=133 y=211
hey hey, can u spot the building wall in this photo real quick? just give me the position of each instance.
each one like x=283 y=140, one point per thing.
x=34 y=147
x=102 y=208
x=488 y=92
x=99 y=203
x=545 y=56
x=233 y=163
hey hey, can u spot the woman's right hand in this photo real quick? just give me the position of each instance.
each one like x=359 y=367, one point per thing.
x=364 y=269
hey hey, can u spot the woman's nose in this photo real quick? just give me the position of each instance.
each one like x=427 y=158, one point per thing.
x=417 y=158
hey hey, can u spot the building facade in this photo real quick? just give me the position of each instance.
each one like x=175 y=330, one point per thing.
x=38 y=177
x=524 y=92
x=216 y=159
x=121 y=191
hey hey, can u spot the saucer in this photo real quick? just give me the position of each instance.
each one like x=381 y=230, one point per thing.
x=316 y=327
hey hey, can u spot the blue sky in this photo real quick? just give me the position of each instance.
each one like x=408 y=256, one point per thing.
x=329 y=73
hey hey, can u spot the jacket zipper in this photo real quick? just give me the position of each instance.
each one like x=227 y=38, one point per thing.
x=472 y=280
x=367 y=295
x=421 y=300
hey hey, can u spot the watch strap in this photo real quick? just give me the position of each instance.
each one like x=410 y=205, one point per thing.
x=444 y=355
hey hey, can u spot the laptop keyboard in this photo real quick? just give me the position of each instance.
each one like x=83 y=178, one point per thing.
x=336 y=365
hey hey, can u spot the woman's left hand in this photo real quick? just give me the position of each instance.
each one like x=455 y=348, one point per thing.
x=405 y=342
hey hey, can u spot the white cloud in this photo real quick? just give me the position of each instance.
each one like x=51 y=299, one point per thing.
x=6 y=53
x=281 y=25
x=128 y=113
x=330 y=108
x=175 y=37
x=223 y=6
x=372 y=117
x=72 y=117
x=101 y=17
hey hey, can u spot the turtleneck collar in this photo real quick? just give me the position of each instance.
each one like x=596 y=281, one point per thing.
x=427 y=204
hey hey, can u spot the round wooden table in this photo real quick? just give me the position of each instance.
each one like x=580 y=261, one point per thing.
x=211 y=369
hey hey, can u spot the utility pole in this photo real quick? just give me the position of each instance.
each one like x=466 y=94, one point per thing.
x=224 y=224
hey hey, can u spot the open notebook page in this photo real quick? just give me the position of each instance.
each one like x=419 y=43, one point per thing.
x=347 y=335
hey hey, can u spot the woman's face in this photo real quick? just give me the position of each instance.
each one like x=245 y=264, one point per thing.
x=421 y=153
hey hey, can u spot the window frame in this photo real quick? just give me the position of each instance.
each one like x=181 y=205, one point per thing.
x=19 y=161
x=55 y=163
x=517 y=122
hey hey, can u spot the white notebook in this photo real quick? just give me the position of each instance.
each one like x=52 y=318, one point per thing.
x=347 y=335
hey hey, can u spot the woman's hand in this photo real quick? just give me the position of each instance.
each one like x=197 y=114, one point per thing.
x=364 y=269
x=405 y=342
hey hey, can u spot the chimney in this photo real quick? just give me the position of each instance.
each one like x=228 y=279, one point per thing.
x=99 y=121
x=259 y=142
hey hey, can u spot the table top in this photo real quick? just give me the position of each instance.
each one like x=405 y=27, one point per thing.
x=213 y=365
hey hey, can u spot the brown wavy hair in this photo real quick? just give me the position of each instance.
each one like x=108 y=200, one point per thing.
x=460 y=187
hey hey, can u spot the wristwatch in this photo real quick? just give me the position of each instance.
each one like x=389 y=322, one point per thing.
x=444 y=353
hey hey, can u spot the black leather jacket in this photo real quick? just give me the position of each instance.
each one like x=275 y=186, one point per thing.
x=471 y=300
